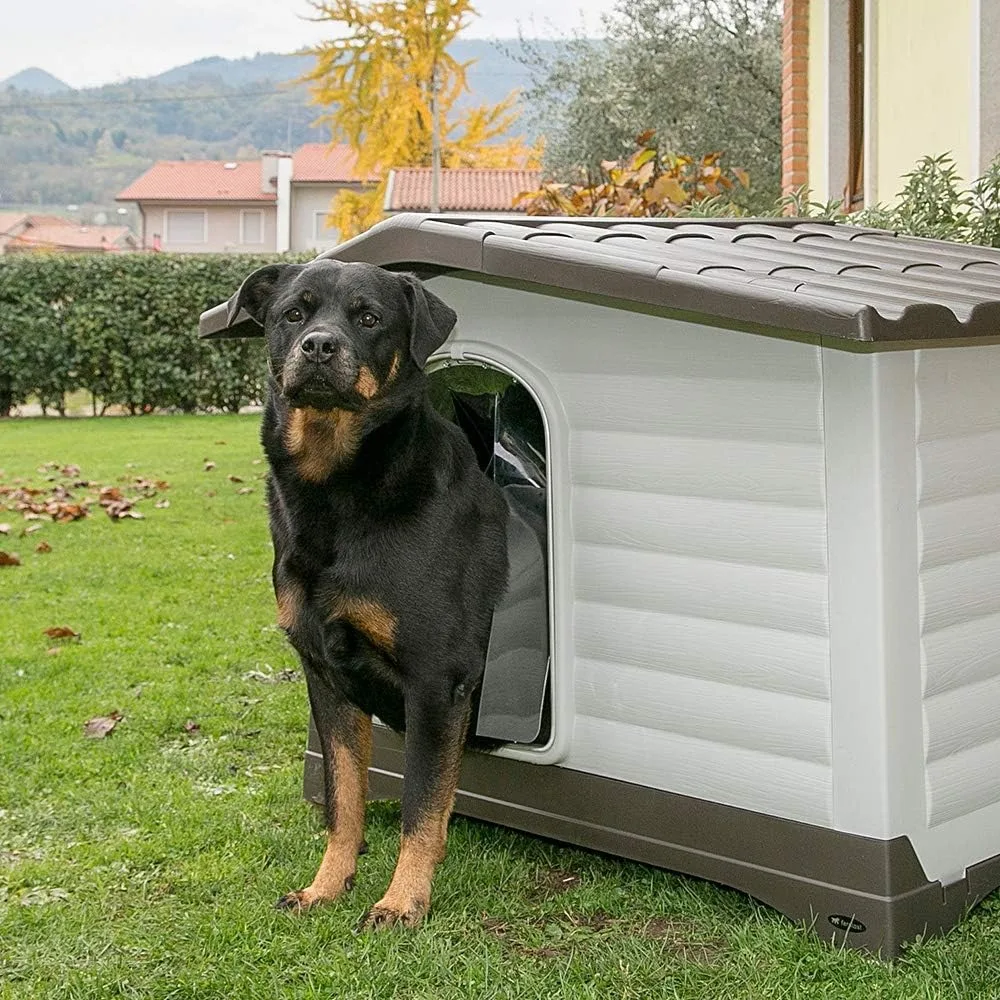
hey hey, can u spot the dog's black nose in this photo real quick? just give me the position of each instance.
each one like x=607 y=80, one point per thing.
x=319 y=346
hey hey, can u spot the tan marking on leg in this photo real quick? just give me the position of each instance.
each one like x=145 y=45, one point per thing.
x=408 y=897
x=370 y=618
x=289 y=596
x=320 y=441
x=367 y=385
x=345 y=837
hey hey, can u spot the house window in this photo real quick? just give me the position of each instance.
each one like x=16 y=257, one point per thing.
x=854 y=191
x=322 y=233
x=251 y=226
x=184 y=226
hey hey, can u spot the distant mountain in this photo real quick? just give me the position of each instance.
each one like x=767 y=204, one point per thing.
x=494 y=73
x=83 y=146
x=35 y=81
x=238 y=72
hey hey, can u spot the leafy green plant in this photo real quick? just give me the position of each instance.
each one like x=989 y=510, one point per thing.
x=124 y=328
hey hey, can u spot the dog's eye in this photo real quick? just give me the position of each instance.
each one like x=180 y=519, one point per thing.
x=294 y=315
x=369 y=319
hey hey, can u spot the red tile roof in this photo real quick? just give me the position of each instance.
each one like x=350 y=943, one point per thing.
x=8 y=220
x=463 y=189
x=198 y=180
x=318 y=162
x=69 y=236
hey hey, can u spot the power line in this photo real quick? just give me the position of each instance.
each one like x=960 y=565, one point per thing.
x=99 y=103
x=28 y=104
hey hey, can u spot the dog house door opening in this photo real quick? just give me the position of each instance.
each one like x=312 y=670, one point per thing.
x=505 y=428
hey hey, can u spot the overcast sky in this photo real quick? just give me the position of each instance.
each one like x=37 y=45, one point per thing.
x=91 y=42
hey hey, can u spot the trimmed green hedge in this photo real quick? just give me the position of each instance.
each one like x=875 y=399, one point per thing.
x=124 y=327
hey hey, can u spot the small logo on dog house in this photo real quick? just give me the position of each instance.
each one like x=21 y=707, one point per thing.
x=849 y=925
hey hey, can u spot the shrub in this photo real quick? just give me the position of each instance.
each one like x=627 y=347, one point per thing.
x=124 y=327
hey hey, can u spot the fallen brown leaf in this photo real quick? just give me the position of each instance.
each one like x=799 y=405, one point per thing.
x=9 y=559
x=162 y=504
x=31 y=529
x=4 y=529
x=244 y=490
x=99 y=727
x=53 y=651
x=191 y=727
x=43 y=547
x=61 y=632
x=209 y=466
x=234 y=479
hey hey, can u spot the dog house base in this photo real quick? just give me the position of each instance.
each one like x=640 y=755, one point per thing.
x=853 y=891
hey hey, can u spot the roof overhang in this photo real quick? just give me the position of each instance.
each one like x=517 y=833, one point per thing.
x=805 y=276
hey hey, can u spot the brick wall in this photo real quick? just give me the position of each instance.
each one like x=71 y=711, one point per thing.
x=795 y=95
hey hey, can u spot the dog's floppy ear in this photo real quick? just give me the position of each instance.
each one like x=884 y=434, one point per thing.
x=255 y=294
x=431 y=320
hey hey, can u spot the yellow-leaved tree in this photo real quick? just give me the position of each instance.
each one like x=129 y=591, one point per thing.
x=377 y=79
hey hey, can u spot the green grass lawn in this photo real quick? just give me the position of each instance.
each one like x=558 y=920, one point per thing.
x=146 y=864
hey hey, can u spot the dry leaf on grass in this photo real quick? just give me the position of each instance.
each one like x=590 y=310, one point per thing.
x=234 y=479
x=4 y=529
x=209 y=466
x=244 y=490
x=43 y=547
x=162 y=504
x=98 y=728
x=61 y=632
x=9 y=559
x=191 y=726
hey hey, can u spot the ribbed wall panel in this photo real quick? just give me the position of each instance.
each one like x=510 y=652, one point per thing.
x=786 y=474
x=960 y=529
x=700 y=570
x=787 y=663
x=962 y=719
x=672 y=406
x=964 y=782
x=726 y=530
x=702 y=588
x=958 y=472
x=749 y=779
x=736 y=716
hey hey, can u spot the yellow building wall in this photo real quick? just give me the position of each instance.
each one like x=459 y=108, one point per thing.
x=819 y=43
x=923 y=87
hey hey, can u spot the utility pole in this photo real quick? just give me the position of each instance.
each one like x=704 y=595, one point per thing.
x=435 y=146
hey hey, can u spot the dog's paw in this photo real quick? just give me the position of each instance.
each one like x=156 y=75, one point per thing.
x=304 y=899
x=294 y=902
x=386 y=914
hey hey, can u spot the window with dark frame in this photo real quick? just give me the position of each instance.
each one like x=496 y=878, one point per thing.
x=854 y=191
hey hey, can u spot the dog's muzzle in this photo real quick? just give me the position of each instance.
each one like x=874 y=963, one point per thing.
x=320 y=371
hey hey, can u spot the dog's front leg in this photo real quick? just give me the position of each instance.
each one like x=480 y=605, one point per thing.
x=435 y=737
x=345 y=733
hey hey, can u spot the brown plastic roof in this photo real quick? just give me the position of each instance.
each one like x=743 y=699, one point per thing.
x=816 y=277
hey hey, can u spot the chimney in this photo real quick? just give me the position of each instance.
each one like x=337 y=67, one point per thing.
x=276 y=178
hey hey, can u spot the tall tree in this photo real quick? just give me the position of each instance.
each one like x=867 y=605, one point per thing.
x=377 y=79
x=704 y=74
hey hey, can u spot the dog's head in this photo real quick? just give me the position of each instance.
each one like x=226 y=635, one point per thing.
x=338 y=335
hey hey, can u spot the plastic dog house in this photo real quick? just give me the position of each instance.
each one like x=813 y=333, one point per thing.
x=767 y=503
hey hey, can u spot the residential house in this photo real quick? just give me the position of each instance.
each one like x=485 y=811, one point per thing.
x=462 y=189
x=319 y=172
x=276 y=203
x=871 y=86
x=21 y=232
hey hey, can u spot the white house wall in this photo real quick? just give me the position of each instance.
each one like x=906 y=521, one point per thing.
x=696 y=638
x=959 y=507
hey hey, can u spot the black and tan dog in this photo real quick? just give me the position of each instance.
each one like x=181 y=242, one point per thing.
x=389 y=550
